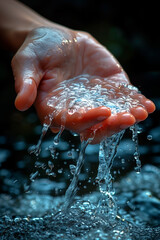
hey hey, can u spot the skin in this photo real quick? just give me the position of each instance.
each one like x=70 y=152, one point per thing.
x=49 y=54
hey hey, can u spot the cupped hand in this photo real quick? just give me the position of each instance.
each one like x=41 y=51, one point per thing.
x=50 y=56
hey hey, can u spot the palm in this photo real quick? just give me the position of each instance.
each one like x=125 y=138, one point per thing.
x=62 y=56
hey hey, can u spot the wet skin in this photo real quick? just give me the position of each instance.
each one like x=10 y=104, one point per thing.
x=49 y=56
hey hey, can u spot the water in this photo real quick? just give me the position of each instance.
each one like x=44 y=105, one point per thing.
x=126 y=209
x=72 y=189
x=38 y=217
x=107 y=151
x=85 y=92
x=36 y=149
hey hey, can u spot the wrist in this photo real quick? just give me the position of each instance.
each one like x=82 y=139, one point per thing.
x=17 y=20
x=16 y=34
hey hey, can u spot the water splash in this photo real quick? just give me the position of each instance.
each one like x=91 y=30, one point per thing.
x=85 y=92
x=52 y=147
x=88 y=92
x=107 y=152
x=135 y=131
x=36 y=149
x=72 y=189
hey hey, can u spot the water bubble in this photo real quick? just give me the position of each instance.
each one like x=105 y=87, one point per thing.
x=149 y=137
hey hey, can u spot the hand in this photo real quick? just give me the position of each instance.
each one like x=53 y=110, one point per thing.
x=49 y=56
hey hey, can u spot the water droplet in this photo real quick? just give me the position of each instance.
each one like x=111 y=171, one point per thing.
x=69 y=154
x=57 y=137
x=149 y=137
x=26 y=187
x=137 y=169
x=40 y=165
x=71 y=111
x=60 y=170
x=35 y=149
x=89 y=180
x=33 y=176
x=51 y=174
x=123 y=160
x=96 y=180
x=50 y=165
x=48 y=171
x=52 y=150
x=56 y=141
x=72 y=168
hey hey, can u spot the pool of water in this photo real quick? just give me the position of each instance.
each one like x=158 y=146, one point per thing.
x=39 y=216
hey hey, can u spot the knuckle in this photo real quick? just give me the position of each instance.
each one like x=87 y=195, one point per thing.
x=22 y=56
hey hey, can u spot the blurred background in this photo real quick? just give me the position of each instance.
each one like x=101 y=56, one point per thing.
x=131 y=33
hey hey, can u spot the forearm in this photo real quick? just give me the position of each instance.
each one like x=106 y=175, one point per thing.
x=16 y=21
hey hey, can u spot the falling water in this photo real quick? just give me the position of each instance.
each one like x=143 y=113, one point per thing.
x=107 y=152
x=87 y=92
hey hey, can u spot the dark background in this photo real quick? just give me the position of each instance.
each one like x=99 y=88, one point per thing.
x=129 y=31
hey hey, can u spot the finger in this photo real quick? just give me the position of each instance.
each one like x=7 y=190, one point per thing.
x=148 y=104
x=27 y=74
x=115 y=123
x=81 y=120
x=139 y=113
x=26 y=95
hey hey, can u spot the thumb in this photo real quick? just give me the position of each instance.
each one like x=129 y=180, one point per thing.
x=27 y=77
